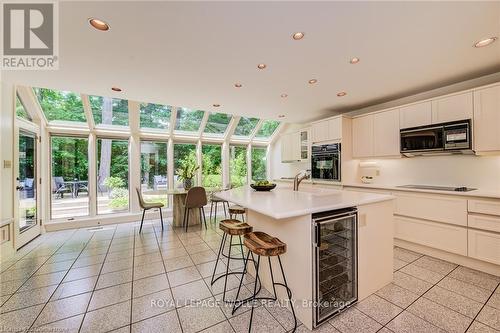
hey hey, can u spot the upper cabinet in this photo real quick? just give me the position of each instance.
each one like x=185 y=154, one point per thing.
x=295 y=146
x=452 y=108
x=327 y=130
x=486 y=123
x=362 y=136
x=415 y=115
x=376 y=135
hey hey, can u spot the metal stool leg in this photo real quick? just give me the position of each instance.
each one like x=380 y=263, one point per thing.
x=254 y=294
x=142 y=220
x=204 y=217
x=289 y=293
x=161 y=219
x=186 y=217
x=272 y=277
x=211 y=208
x=224 y=206
x=227 y=267
x=222 y=242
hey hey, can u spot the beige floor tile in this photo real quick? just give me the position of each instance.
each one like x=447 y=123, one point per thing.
x=465 y=289
x=411 y=283
x=262 y=321
x=409 y=323
x=112 y=295
x=19 y=320
x=406 y=255
x=436 y=265
x=422 y=273
x=472 y=276
x=152 y=305
x=379 y=309
x=199 y=316
x=63 y=308
x=477 y=327
x=183 y=276
x=397 y=295
x=68 y=325
x=178 y=263
x=28 y=298
x=490 y=316
x=167 y=322
x=114 y=278
x=454 y=301
x=107 y=319
x=150 y=284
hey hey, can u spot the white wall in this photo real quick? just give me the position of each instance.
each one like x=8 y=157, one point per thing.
x=279 y=169
x=454 y=170
x=6 y=149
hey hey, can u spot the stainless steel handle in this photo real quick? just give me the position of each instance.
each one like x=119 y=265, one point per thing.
x=19 y=188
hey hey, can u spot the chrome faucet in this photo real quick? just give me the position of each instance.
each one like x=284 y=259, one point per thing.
x=298 y=179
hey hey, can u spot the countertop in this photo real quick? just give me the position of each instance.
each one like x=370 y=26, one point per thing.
x=283 y=202
x=476 y=193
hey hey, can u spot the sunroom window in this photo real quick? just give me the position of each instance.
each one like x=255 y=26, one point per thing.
x=267 y=129
x=245 y=126
x=21 y=110
x=156 y=116
x=109 y=111
x=188 y=120
x=60 y=105
x=217 y=123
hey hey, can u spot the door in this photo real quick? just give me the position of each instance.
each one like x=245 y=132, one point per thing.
x=26 y=212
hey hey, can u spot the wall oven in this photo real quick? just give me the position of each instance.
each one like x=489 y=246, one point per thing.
x=335 y=261
x=453 y=137
x=325 y=162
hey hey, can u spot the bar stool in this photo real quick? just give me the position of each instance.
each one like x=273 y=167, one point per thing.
x=262 y=244
x=237 y=210
x=231 y=228
x=217 y=201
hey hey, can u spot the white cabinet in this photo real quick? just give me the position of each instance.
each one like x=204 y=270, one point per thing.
x=484 y=245
x=452 y=108
x=484 y=206
x=487 y=119
x=362 y=136
x=305 y=151
x=290 y=147
x=415 y=115
x=327 y=130
x=386 y=133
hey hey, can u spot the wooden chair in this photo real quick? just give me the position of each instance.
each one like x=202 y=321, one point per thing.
x=147 y=206
x=195 y=198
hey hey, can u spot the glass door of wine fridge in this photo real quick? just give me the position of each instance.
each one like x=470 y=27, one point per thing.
x=335 y=262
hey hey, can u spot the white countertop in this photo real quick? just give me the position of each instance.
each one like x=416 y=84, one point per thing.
x=475 y=193
x=283 y=202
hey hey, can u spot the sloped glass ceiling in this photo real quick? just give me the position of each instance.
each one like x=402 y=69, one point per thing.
x=21 y=110
x=267 y=129
x=188 y=120
x=109 y=111
x=246 y=126
x=60 y=105
x=155 y=116
x=217 y=123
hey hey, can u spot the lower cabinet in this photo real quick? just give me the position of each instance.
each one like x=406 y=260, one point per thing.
x=484 y=245
x=441 y=236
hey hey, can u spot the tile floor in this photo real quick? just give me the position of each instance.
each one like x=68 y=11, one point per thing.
x=113 y=279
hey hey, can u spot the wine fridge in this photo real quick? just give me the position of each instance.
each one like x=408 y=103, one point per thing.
x=335 y=276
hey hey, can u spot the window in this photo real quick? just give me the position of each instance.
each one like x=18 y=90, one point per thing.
x=60 y=105
x=245 y=126
x=267 y=129
x=70 y=172
x=188 y=120
x=155 y=115
x=238 y=165
x=217 y=123
x=21 y=110
x=259 y=163
x=211 y=166
x=154 y=171
x=109 y=111
x=112 y=176
x=184 y=159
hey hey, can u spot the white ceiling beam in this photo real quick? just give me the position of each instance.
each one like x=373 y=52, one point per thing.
x=203 y=124
x=276 y=133
x=88 y=111
x=173 y=117
x=256 y=129
x=30 y=102
x=231 y=128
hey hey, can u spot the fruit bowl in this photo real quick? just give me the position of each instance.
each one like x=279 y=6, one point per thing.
x=262 y=188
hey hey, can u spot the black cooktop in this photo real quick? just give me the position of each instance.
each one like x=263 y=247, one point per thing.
x=439 y=188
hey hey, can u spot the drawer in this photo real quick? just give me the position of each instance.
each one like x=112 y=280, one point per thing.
x=5 y=234
x=485 y=222
x=437 y=235
x=432 y=207
x=484 y=245
x=484 y=206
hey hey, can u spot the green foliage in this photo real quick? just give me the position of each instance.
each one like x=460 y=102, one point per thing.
x=70 y=157
x=258 y=163
x=246 y=126
x=212 y=170
x=155 y=115
x=238 y=166
x=21 y=110
x=114 y=183
x=118 y=203
x=188 y=120
x=60 y=105
x=186 y=171
x=119 y=158
x=217 y=123
x=268 y=128
x=119 y=110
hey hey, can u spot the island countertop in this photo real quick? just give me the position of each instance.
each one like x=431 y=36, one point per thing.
x=283 y=202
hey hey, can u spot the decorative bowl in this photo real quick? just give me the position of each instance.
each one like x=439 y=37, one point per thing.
x=262 y=188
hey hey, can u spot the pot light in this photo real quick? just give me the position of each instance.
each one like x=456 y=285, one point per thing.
x=341 y=94
x=98 y=24
x=354 y=60
x=216 y=105
x=261 y=66
x=312 y=81
x=238 y=85
x=485 y=42
x=298 y=35
x=284 y=95
x=281 y=116
x=116 y=89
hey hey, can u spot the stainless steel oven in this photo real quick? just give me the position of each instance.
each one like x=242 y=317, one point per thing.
x=325 y=162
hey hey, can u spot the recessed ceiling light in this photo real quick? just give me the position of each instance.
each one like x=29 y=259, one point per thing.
x=261 y=66
x=98 y=24
x=298 y=35
x=281 y=116
x=485 y=42
x=216 y=105
x=238 y=85
x=116 y=89
x=312 y=81
x=354 y=60
x=284 y=95
x=341 y=94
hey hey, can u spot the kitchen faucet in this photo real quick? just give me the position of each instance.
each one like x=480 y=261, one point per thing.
x=297 y=180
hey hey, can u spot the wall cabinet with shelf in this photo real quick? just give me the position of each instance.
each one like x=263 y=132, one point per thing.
x=295 y=146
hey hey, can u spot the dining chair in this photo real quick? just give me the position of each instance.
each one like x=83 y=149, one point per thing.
x=195 y=198
x=147 y=206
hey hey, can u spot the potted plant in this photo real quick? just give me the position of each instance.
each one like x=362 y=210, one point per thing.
x=186 y=174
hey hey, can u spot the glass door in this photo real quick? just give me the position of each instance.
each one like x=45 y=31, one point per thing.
x=27 y=212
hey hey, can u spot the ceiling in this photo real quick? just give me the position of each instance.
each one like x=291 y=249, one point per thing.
x=191 y=53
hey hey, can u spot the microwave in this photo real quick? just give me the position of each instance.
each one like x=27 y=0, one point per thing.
x=452 y=137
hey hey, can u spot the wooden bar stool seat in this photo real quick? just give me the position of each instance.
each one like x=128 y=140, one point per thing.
x=237 y=210
x=262 y=244
x=235 y=227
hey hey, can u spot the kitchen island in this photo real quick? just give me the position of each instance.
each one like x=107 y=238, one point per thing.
x=292 y=216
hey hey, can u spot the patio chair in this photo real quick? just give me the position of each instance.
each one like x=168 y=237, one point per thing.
x=82 y=187
x=29 y=188
x=59 y=187
x=147 y=206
